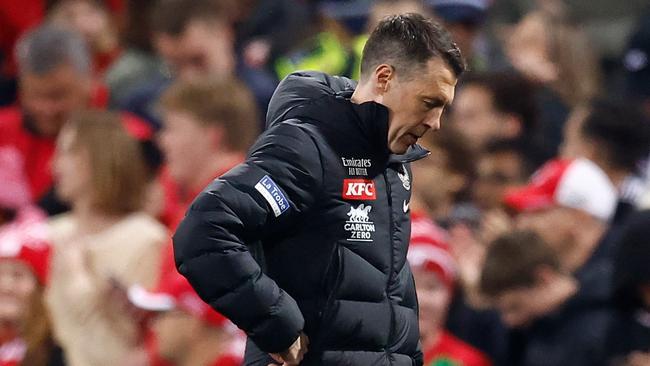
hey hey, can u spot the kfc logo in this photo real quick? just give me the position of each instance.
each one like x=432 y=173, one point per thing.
x=359 y=189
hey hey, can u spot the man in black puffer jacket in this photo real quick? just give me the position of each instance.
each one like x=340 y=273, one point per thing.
x=304 y=245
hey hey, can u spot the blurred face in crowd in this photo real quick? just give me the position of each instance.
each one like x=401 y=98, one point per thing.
x=496 y=173
x=17 y=285
x=434 y=297
x=49 y=99
x=72 y=171
x=415 y=101
x=203 y=48
x=519 y=307
x=87 y=18
x=174 y=330
x=476 y=117
x=184 y=141
x=554 y=224
x=527 y=47
x=434 y=182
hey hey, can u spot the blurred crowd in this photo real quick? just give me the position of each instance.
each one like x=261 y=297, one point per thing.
x=530 y=240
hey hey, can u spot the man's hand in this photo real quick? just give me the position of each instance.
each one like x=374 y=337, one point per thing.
x=295 y=353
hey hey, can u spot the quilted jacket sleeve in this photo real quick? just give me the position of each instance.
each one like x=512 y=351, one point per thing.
x=279 y=182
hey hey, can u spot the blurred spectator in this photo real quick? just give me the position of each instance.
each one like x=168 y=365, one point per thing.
x=327 y=50
x=615 y=136
x=568 y=203
x=529 y=285
x=629 y=337
x=267 y=29
x=187 y=330
x=208 y=127
x=464 y=19
x=138 y=63
x=104 y=240
x=91 y=19
x=434 y=271
x=379 y=10
x=25 y=333
x=501 y=105
x=54 y=81
x=555 y=54
x=195 y=38
x=501 y=166
x=445 y=175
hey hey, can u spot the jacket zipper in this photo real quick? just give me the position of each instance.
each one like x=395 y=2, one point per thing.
x=392 y=264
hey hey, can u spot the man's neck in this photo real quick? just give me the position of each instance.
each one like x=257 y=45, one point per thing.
x=363 y=93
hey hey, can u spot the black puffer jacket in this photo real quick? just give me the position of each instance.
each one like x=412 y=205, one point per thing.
x=311 y=232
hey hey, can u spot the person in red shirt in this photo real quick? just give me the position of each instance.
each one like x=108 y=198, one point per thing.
x=434 y=271
x=208 y=126
x=188 y=331
x=54 y=81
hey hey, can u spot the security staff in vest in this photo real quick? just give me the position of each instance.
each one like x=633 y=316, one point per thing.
x=303 y=246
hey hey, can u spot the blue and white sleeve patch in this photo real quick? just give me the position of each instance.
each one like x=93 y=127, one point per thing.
x=273 y=195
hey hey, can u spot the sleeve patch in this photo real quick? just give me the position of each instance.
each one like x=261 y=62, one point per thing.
x=273 y=195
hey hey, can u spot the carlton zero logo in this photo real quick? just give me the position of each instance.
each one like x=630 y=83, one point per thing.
x=359 y=189
x=359 y=226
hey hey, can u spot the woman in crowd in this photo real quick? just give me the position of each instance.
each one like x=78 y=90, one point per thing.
x=106 y=240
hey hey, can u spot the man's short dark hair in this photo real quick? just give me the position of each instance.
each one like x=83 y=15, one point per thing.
x=173 y=16
x=512 y=262
x=621 y=130
x=409 y=40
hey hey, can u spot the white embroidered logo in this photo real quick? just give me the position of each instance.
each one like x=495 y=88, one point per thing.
x=359 y=225
x=406 y=206
x=359 y=214
x=403 y=175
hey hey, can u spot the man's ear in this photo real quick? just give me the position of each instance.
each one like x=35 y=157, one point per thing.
x=383 y=75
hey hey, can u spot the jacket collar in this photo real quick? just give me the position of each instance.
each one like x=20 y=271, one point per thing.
x=373 y=118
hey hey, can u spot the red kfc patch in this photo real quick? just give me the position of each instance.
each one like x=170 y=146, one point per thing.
x=359 y=189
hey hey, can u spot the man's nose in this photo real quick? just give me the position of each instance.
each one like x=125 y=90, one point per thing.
x=433 y=122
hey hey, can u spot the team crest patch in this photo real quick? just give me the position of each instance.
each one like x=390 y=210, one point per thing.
x=403 y=175
x=359 y=189
x=359 y=226
x=273 y=195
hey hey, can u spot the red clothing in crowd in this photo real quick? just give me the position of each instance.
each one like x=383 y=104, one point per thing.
x=451 y=351
x=16 y=17
x=12 y=352
x=178 y=200
x=35 y=151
